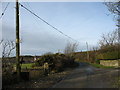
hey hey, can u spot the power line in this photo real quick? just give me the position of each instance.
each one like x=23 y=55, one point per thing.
x=46 y=22
x=4 y=10
x=29 y=6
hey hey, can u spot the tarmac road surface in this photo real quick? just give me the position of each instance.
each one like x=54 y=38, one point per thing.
x=86 y=76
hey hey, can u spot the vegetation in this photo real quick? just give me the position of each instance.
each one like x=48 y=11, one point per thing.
x=70 y=48
x=27 y=66
x=56 y=62
x=109 y=46
x=100 y=66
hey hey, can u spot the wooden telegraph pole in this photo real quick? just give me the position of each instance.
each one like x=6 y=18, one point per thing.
x=17 y=42
x=87 y=52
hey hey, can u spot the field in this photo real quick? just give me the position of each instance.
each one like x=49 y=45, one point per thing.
x=28 y=66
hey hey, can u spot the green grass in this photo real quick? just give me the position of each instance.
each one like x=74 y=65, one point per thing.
x=28 y=66
x=24 y=66
x=109 y=55
x=100 y=66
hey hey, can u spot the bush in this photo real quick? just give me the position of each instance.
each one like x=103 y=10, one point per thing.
x=7 y=74
x=97 y=61
x=56 y=61
x=109 y=55
x=109 y=52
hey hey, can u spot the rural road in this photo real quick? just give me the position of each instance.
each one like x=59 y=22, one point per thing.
x=87 y=76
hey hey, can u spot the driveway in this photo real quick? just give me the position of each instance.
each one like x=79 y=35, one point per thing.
x=86 y=76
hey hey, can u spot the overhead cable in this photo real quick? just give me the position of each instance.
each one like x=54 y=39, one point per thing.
x=46 y=22
x=4 y=10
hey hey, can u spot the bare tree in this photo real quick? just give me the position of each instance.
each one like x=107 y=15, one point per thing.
x=70 y=48
x=109 y=39
x=1 y=41
x=114 y=8
x=95 y=48
x=8 y=47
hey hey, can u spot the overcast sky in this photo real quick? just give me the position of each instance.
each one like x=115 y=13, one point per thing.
x=83 y=21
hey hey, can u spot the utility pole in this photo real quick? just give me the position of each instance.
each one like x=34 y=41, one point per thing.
x=87 y=52
x=17 y=42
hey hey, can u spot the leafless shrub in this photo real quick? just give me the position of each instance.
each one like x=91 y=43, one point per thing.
x=109 y=39
x=70 y=48
x=1 y=41
x=8 y=47
x=114 y=8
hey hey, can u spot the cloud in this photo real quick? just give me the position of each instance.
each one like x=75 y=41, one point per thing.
x=35 y=43
x=8 y=32
x=38 y=42
x=41 y=43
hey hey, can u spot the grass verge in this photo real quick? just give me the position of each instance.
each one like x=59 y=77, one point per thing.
x=96 y=65
x=100 y=66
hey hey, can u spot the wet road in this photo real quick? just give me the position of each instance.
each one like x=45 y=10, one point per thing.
x=86 y=76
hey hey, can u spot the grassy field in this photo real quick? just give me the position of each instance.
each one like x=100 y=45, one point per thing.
x=28 y=66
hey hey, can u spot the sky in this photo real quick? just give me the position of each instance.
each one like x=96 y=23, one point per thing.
x=83 y=21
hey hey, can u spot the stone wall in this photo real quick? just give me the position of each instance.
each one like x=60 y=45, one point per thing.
x=115 y=63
